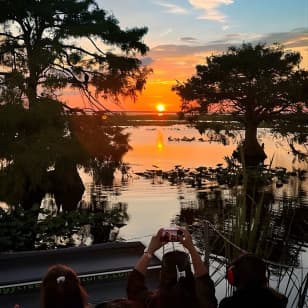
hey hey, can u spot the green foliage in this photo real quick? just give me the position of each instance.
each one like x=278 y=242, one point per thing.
x=18 y=229
x=254 y=83
x=257 y=82
x=101 y=140
x=27 y=147
x=47 y=46
x=51 y=44
x=22 y=230
x=33 y=141
x=295 y=130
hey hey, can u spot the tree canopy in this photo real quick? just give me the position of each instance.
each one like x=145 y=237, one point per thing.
x=254 y=83
x=49 y=44
x=48 y=47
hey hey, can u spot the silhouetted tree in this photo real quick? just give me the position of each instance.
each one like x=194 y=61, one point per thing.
x=254 y=83
x=47 y=46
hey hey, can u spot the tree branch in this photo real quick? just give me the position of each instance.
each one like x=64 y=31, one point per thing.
x=97 y=48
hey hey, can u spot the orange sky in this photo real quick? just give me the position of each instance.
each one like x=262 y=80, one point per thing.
x=169 y=63
x=168 y=70
x=182 y=33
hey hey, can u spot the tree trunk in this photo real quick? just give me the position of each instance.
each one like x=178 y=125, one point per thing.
x=31 y=91
x=32 y=81
x=66 y=184
x=253 y=152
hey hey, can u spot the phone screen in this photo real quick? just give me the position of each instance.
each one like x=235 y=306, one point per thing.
x=171 y=235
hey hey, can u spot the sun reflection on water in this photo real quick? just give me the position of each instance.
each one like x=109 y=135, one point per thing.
x=160 y=141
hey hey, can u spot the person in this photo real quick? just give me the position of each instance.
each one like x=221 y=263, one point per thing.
x=179 y=286
x=248 y=273
x=61 y=288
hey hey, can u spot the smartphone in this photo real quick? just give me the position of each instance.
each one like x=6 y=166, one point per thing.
x=171 y=235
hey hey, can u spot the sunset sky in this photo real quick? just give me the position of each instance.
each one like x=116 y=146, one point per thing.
x=183 y=32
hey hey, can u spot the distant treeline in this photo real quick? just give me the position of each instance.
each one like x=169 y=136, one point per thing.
x=126 y=119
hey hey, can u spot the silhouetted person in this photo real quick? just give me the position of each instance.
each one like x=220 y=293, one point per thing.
x=61 y=288
x=179 y=287
x=248 y=274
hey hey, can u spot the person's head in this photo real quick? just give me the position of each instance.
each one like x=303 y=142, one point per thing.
x=177 y=284
x=175 y=266
x=61 y=288
x=248 y=270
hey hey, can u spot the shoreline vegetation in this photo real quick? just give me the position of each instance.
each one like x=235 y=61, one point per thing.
x=172 y=118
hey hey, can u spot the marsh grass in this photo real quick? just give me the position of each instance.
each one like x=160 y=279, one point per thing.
x=255 y=224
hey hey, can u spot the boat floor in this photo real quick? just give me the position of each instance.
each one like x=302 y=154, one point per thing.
x=102 y=268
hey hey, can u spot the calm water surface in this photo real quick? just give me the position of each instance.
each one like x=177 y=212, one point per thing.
x=153 y=202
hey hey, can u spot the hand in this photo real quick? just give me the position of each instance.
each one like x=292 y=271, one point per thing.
x=199 y=266
x=186 y=239
x=155 y=242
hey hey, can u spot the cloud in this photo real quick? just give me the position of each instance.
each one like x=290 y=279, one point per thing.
x=233 y=38
x=210 y=8
x=172 y=8
x=297 y=38
x=166 y=32
x=147 y=60
x=288 y=39
x=188 y=39
x=178 y=61
x=173 y=51
x=303 y=30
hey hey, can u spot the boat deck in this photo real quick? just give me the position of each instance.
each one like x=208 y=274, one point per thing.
x=102 y=268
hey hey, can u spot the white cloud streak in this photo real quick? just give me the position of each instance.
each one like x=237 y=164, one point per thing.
x=211 y=9
x=165 y=33
x=172 y=8
x=287 y=39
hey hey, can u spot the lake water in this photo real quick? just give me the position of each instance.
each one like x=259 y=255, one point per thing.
x=158 y=145
x=154 y=202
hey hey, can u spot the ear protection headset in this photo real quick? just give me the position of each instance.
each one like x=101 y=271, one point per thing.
x=230 y=275
x=247 y=262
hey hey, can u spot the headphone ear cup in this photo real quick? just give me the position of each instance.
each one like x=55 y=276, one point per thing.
x=230 y=275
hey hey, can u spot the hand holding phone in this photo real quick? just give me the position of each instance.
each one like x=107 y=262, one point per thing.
x=171 y=235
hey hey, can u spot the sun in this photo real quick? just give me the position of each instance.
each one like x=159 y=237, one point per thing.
x=160 y=107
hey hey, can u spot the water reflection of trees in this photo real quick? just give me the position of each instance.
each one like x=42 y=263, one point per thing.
x=273 y=227
x=94 y=221
x=41 y=150
x=114 y=214
x=224 y=224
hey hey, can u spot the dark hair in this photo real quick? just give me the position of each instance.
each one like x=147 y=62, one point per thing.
x=61 y=288
x=177 y=290
x=249 y=271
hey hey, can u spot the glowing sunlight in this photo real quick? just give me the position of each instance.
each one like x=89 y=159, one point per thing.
x=160 y=107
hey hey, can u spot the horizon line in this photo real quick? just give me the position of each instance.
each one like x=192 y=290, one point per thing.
x=144 y=111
